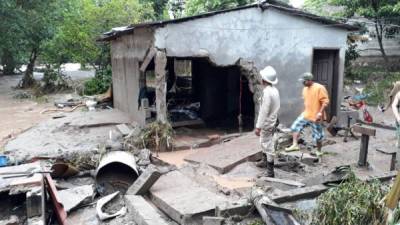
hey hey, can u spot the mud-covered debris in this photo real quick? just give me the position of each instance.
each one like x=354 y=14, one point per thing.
x=71 y=198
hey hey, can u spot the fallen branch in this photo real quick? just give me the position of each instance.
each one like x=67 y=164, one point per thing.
x=62 y=110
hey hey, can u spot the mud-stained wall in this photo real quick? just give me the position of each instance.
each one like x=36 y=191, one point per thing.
x=264 y=38
x=126 y=54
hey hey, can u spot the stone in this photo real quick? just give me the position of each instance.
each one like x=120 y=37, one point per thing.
x=212 y=220
x=71 y=198
x=143 y=213
x=144 y=182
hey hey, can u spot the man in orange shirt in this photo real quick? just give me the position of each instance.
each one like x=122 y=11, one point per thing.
x=315 y=101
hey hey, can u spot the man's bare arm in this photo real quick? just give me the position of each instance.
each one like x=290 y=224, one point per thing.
x=394 y=107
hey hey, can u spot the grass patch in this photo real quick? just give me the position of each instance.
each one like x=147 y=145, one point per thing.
x=353 y=202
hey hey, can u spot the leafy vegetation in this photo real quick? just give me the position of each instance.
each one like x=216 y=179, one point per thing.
x=100 y=83
x=384 y=14
x=156 y=136
x=353 y=202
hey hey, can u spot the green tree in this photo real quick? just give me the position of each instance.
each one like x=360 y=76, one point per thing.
x=383 y=13
x=193 y=7
x=11 y=38
x=75 y=38
x=38 y=19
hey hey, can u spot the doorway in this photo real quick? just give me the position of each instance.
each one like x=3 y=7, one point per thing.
x=325 y=69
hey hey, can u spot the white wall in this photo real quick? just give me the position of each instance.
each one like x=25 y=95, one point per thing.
x=268 y=37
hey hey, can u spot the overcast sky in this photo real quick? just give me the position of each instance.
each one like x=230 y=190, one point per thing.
x=297 y=3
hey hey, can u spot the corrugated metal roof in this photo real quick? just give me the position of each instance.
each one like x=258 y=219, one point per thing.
x=114 y=33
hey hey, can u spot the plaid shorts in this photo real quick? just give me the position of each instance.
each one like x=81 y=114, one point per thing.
x=317 y=129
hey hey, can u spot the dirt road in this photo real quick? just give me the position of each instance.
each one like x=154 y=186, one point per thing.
x=16 y=115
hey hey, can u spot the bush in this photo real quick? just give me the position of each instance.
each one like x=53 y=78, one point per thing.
x=353 y=202
x=378 y=82
x=99 y=83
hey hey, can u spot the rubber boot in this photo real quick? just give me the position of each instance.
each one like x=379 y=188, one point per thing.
x=263 y=162
x=270 y=169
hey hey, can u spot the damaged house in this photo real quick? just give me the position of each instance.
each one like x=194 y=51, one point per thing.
x=204 y=68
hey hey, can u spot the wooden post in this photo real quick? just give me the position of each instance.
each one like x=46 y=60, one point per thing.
x=362 y=159
x=161 y=86
x=365 y=133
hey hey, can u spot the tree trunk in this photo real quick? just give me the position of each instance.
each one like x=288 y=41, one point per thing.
x=28 y=80
x=8 y=62
x=379 y=34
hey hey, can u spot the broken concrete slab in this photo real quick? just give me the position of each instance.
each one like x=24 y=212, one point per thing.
x=299 y=193
x=63 y=137
x=143 y=212
x=124 y=129
x=71 y=198
x=213 y=220
x=20 y=184
x=226 y=156
x=144 y=182
x=241 y=208
x=183 y=199
x=96 y=119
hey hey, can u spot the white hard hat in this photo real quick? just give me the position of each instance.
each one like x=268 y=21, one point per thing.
x=269 y=74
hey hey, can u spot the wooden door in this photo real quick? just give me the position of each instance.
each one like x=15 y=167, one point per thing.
x=325 y=72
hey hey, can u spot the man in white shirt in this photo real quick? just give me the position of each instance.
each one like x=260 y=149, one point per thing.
x=268 y=117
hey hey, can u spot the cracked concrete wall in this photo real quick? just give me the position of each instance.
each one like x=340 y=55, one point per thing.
x=126 y=54
x=268 y=37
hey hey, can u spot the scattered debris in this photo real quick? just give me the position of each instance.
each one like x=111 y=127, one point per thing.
x=270 y=212
x=71 y=198
x=102 y=202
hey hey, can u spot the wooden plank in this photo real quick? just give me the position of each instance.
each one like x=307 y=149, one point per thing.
x=364 y=130
x=283 y=181
x=150 y=55
x=378 y=125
